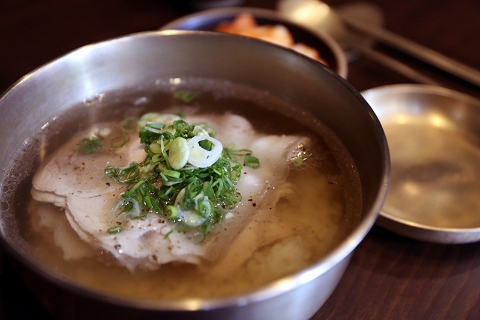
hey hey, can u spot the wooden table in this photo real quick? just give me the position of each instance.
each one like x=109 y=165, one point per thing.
x=389 y=277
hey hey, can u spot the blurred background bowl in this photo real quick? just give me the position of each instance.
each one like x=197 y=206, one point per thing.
x=208 y=20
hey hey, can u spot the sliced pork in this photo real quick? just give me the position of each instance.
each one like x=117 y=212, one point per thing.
x=75 y=181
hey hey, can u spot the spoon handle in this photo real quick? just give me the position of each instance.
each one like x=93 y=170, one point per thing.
x=427 y=55
x=396 y=65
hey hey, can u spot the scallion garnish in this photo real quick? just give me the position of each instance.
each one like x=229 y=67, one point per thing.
x=297 y=161
x=171 y=212
x=119 y=141
x=90 y=145
x=251 y=161
x=158 y=126
x=114 y=230
x=128 y=124
x=185 y=96
x=173 y=182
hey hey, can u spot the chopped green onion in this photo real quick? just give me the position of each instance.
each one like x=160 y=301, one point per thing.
x=205 y=207
x=171 y=173
x=171 y=212
x=204 y=193
x=119 y=141
x=147 y=136
x=129 y=174
x=206 y=144
x=114 y=230
x=252 y=162
x=111 y=172
x=185 y=96
x=231 y=153
x=183 y=127
x=128 y=124
x=155 y=147
x=158 y=126
x=208 y=190
x=168 y=233
x=127 y=205
x=297 y=161
x=132 y=190
x=90 y=145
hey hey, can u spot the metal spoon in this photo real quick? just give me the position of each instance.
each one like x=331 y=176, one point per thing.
x=352 y=24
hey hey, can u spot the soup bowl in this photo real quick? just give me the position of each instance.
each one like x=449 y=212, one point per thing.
x=111 y=66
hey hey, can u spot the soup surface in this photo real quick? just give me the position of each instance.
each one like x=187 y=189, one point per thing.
x=296 y=214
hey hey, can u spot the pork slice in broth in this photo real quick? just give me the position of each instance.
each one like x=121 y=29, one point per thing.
x=75 y=182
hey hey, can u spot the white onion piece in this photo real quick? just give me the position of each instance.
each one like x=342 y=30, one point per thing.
x=200 y=157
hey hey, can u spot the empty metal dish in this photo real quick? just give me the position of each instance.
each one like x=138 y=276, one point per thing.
x=434 y=139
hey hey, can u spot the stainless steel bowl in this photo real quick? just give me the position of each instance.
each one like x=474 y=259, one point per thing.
x=122 y=63
x=434 y=139
x=207 y=20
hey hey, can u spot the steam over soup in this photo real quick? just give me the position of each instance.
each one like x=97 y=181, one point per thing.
x=197 y=189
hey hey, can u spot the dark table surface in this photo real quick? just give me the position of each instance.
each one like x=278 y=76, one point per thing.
x=389 y=277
